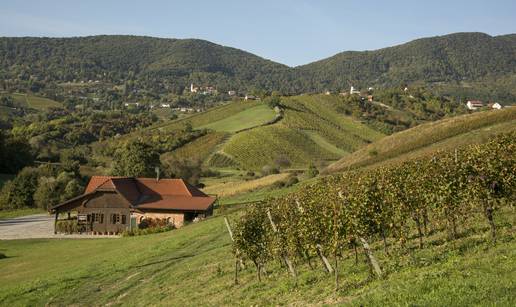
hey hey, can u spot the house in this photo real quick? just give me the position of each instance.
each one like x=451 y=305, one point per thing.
x=327 y=93
x=231 y=93
x=111 y=205
x=250 y=97
x=132 y=104
x=193 y=89
x=354 y=91
x=474 y=104
x=165 y=105
x=495 y=105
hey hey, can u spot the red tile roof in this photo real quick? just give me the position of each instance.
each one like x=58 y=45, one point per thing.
x=149 y=193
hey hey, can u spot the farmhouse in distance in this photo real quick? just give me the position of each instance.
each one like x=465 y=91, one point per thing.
x=111 y=205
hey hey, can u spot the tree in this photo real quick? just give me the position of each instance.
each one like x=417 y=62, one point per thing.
x=185 y=169
x=136 y=159
x=19 y=192
x=47 y=193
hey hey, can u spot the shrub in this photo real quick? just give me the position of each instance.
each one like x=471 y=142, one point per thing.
x=269 y=170
x=291 y=181
x=312 y=171
x=2 y=256
x=67 y=226
x=147 y=231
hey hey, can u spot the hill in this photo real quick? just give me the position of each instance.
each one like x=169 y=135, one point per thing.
x=427 y=138
x=150 y=63
x=464 y=63
x=195 y=266
x=454 y=58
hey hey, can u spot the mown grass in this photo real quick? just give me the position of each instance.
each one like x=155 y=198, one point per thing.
x=252 y=117
x=210 y=116
x=194 y=266
x=424 y=135
x=323 y=143
x=225 y=189
x=35 y=102
x=7 y=214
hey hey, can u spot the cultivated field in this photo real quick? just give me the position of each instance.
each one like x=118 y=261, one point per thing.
x=463 y=129
x=225 y=189
x=252 y=117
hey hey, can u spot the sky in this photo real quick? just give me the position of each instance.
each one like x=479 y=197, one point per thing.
x=286 y=31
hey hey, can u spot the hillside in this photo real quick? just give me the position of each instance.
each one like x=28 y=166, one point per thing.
x=194 y=266
x=427 y=138
x=152 y=63
x=459 y=57
x=160 y=66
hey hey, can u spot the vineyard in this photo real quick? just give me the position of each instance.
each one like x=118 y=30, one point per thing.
x=199 y=149
x=260 y=146
x=425 y=135
x=392 y=210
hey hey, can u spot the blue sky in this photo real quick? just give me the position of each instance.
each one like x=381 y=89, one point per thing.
x=289 y=32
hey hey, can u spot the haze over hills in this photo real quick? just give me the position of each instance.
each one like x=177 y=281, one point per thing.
x=170 y=65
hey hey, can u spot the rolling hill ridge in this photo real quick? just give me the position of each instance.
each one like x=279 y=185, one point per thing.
x=169 y=65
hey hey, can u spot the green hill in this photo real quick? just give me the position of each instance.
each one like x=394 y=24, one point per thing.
x=310 y=130
x=194 y=266
x=456 y=58
x=429 y=137
x=465 y=62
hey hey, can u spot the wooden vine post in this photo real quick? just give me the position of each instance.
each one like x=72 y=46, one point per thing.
x=324 y=260
x=371 y=258
x=285 y=257
x=242 y=265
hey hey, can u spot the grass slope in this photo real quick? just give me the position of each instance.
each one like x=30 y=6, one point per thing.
x=210 y=116
x=194 y=266
x=463 y=129
x=252 y=117
x=35 y=102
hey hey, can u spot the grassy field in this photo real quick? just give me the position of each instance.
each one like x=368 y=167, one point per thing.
x=210 y=116
x=7 y=214
x=35 y=102
x=194 y=266
x=323 y=143
x=225 y=189
x=445 y=133
x=252 y=117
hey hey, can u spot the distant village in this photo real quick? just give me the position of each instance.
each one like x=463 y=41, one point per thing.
x=364 y=95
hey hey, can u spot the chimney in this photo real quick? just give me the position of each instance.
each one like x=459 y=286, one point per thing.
x=156 y=169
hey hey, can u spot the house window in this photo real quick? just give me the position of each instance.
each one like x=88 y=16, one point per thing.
x=118 y=219
x=98 y=218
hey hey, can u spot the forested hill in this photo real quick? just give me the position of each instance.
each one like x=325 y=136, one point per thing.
x=169 y=65
x=152 y=63
x=459 y=57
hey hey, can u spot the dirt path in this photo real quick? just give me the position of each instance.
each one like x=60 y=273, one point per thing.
x=34 y=226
